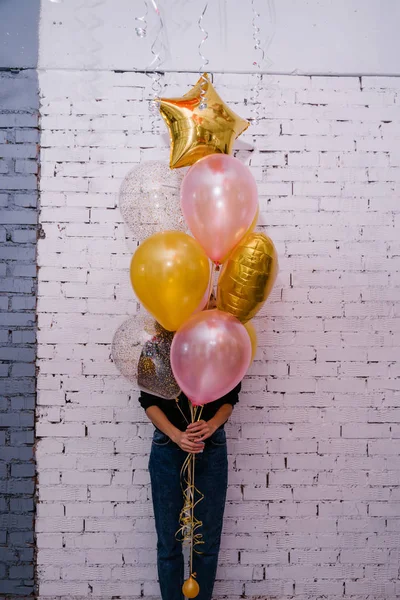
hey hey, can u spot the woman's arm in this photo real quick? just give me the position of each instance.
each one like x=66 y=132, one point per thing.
x=160 y=420
x=201 y=430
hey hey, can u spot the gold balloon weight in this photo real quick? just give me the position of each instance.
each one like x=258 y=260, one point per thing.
x=247 y=277
x=191 y=588
x=200 y=123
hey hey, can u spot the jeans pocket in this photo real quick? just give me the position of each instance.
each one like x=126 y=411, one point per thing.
x=160 y=439
x=218 y=438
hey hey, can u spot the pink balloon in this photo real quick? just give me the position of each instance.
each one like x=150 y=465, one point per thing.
x=219 y=201
x=210 y=354
x=205 y=299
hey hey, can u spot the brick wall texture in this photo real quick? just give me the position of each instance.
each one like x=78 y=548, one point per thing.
x=19 y=104
x=313 y=505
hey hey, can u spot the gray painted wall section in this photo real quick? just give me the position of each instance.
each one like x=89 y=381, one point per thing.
x=19 y=133
x=19 y=137
x=19 y=33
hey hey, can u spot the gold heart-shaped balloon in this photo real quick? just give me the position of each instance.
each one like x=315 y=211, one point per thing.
x=247 y=277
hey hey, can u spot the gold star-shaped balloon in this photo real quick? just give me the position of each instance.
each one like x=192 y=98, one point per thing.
x=199 y=124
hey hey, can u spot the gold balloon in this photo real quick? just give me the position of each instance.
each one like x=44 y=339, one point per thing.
x=253 y=339
x=191 y=588
x=196 y=132
x=170 y=274
x=247 y=277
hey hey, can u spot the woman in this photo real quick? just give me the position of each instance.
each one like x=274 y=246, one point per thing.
x=173 y=438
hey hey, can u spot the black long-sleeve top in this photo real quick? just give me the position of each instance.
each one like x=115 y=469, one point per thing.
x=171 y=409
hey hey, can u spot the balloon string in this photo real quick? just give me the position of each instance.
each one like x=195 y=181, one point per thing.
x=205 y=61
x=261 y=61
x=211 y=284
x=256 y=36
x=141 y=28
x=198 y=410
x=189 y=524
x=181 y=411
x=257 y=63
x=193 y=505
x=159 y=51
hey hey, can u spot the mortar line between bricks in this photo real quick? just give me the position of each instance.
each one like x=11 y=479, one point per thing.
x=217 y=72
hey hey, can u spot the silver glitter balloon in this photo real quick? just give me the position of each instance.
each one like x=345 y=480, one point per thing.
x=154 y=370
x=128 y=342
x=141 y=352
x=149 y=199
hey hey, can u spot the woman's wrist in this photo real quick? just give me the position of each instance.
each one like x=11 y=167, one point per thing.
x=220 y=417
x=213 y=425
x=174 y=435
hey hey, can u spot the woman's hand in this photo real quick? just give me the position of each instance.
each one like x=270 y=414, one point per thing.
x=188 y=444
x=201 y=430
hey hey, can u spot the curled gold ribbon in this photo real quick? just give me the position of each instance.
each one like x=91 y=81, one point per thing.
x=188 y=532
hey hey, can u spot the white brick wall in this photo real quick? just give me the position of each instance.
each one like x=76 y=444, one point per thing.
x=314 y=496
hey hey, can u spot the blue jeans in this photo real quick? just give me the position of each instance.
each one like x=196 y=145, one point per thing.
x=211 y=478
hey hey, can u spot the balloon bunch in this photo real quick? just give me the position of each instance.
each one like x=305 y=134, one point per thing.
x=171 y=276
x=204 y=353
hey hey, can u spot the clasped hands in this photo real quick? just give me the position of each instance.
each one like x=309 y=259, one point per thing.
x=192 y=440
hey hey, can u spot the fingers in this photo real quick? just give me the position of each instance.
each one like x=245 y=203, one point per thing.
x=198 y=434
x=191 y=450
x=192 y=447
x=194 y=426
x=196 y=430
